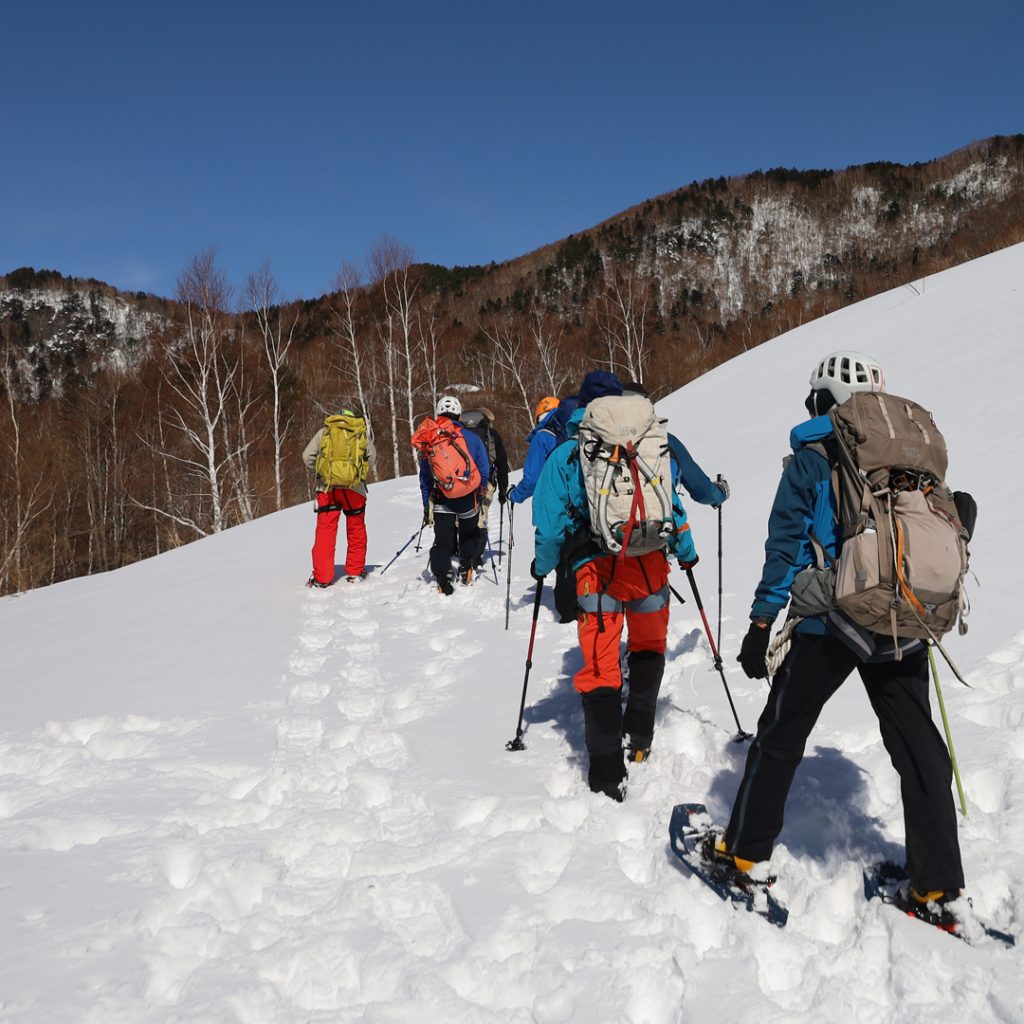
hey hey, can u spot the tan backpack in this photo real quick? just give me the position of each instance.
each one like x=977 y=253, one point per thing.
x=627 y=474
x=904 y=553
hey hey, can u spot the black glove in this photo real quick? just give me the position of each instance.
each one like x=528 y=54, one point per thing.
x=967 y=510
x=502 y=497
x=723 y=485
x=689 y=565
x=534 y=573
x=754 y=649
x=426 y=514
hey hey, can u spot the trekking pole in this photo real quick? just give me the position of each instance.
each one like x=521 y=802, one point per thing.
x=424 y=523
x=494 y=565
x=949 y=735
x=719 y=634
x=501 y=528
x=740 y=735
x=517 y=743
x=508 y=568
x=399 y=551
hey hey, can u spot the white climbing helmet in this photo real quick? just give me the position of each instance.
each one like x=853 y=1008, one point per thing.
x=843 y=373
x=448 y=405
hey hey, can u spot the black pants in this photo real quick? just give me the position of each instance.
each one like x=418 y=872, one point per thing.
x=898 y=690
x=605 y=723
x=461 y=515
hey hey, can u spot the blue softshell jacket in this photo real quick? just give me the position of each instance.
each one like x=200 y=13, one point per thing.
x=543 y=441
x=560 y=503
x=697 y=483
x=477 y=452
x=804 y=503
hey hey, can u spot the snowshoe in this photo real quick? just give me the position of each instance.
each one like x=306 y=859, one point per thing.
x=890 y=883
x=695 y=841
x=314 y=582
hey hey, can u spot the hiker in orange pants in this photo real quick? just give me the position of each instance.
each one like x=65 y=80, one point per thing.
x=336 y=501
x=611 y=593
x=615 y=586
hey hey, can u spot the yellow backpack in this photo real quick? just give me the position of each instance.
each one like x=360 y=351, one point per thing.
x=342 y=460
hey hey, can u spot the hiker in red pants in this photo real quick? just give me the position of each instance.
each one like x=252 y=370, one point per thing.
x=342 y=455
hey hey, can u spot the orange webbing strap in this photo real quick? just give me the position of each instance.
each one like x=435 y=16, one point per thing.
x=904 y=586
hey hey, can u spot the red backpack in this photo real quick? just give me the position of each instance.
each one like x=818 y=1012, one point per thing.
x=441 y=443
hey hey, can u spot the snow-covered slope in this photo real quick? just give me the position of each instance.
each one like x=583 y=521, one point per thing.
x=225 y=797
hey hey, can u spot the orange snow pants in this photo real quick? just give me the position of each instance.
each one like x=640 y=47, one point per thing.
x=635 y=592
x=353 y=504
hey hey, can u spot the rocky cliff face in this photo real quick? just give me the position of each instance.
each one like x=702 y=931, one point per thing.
x=64 y=333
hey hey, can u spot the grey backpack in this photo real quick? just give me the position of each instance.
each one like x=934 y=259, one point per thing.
x=904 y=553
x=627 y=474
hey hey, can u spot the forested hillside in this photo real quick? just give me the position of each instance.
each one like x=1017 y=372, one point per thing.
x=133 y=423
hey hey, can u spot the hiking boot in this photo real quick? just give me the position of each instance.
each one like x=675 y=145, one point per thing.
x=607 y=774
x=314 y=582
x=638 y=749
x=466 y=576
x=356 y=579
x=616 y=791
x=735 y=870
x=444 y=586
x=930 y=906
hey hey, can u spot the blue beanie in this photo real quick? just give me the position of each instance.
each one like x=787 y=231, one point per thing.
x=598 y=384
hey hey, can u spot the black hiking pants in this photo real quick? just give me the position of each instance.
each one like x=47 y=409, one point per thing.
x=455 y=516
x=605 y=722
x=814 y=669
x=565 y=592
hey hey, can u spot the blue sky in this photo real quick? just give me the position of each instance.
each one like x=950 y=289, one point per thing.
x=137 y=134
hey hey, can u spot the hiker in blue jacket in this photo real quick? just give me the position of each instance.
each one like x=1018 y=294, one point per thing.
x=545 y=437
x=451 y=514
x=825 y=649
x=610 y=593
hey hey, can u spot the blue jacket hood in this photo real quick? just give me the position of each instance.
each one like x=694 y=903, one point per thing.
x=572 y=426
x=816 y=429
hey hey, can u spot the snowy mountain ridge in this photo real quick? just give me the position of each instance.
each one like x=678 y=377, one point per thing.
x=74 y=335
x=228 y=798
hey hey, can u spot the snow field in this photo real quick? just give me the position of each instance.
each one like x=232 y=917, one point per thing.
x=225 y=797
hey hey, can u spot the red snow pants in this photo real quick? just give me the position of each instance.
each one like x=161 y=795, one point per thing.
x=634 y=592
x=353 y=504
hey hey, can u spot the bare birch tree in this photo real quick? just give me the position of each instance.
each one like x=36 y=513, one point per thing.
x=385 y=328
x=624 y=317
x=201 y=375
x=507 y=345
x=349 y=332
x=277 y=332
x=547 y=336
x=390 y=266
x=26 y=503
x=430 y=320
